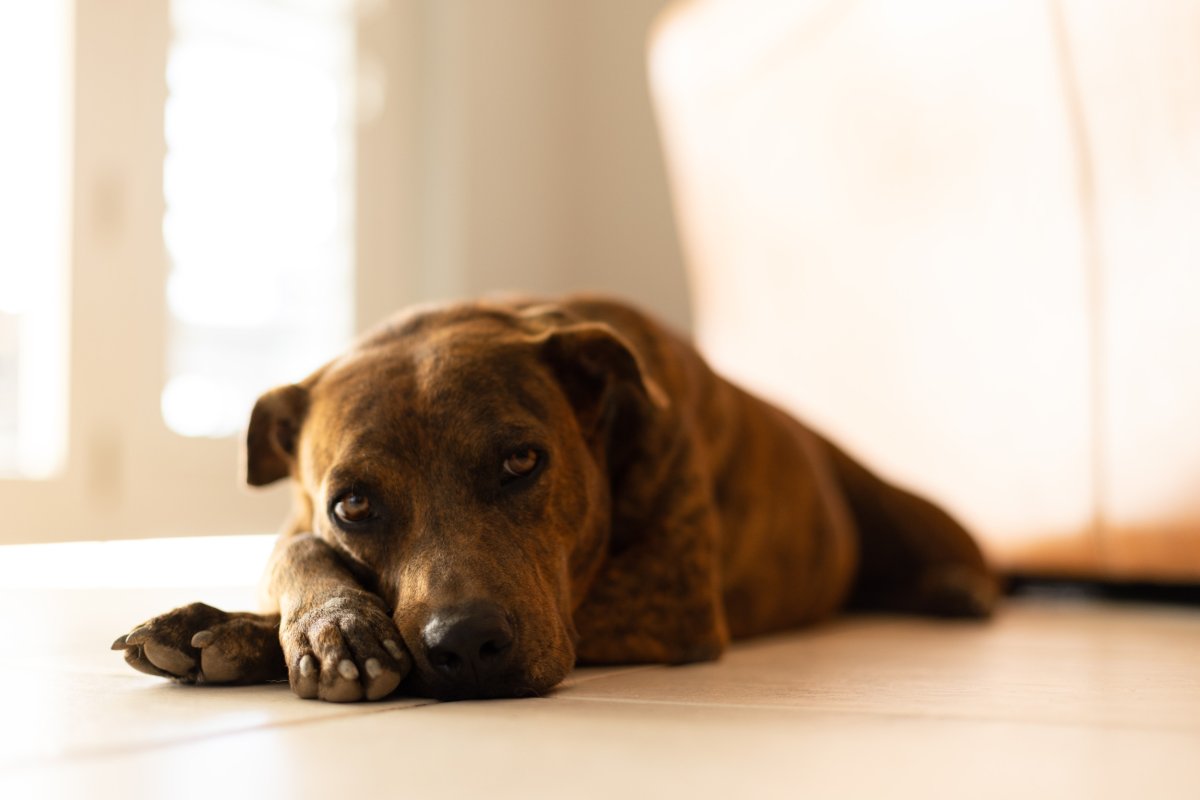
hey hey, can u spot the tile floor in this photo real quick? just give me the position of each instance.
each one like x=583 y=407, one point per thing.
x=1053 y=699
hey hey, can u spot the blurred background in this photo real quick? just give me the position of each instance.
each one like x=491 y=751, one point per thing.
x=963 y=238
x=205 y=198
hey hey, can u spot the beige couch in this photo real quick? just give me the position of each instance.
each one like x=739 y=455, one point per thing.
x=964 y=238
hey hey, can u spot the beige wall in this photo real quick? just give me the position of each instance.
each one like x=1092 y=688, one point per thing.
x=518 y=152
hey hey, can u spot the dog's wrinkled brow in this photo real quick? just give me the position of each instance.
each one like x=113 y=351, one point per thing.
x=363 y=476
x=500 y=393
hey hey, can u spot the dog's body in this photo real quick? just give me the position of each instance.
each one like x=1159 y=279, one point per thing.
x=487 y=493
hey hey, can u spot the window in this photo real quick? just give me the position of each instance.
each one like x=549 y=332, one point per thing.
x=181 y=174
x=258 y=189
x=34 y=165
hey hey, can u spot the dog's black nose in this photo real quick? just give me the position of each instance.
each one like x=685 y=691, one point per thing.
x=470 y=644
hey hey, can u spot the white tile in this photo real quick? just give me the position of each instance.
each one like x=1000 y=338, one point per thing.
x=1071 y=663
x=581 y=749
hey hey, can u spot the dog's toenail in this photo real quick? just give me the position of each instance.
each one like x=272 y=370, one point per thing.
x=137 y=635
x=347 y=669
x=374 y=668
x=393 y=649
x=308 y=665
x=203 y=639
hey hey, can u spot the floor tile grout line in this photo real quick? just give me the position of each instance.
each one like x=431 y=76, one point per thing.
x=616 y=673
x=87 y=754
x=899 y=715
x=93 y=752
x=90 y=753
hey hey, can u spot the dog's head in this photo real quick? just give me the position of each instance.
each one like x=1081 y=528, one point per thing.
x=456 y=459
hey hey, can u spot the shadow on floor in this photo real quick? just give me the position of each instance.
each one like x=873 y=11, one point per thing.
x=1182 y=594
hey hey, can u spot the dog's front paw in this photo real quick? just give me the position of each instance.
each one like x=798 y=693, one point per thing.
x=201 y=644
x=344 y=648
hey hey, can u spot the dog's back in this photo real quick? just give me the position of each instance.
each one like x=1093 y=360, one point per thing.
x=805 y=528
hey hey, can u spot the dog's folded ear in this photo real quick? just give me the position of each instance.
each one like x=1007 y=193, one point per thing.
x=271 y=436
x=596 y=366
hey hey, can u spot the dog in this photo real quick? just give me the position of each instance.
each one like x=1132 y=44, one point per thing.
x=487 y=493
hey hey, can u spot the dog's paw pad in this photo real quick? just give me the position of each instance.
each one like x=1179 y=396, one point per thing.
x=136 y=658
x=169 y=659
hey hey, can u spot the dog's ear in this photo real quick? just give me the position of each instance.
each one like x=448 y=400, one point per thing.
x=596 y=367
x=271 y=437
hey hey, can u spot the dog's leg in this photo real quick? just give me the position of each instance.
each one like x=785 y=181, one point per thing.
x=201 y=644
x=339 y=641
x=914 y=557
x=658 y=599
x=332 y=639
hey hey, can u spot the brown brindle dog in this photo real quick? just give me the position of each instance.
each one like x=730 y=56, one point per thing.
x=488 y=493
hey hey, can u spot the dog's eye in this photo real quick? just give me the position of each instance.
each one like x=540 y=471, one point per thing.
x=521 y=463
x=352 y=507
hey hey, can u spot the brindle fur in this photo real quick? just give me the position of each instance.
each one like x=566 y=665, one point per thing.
x=674 y=511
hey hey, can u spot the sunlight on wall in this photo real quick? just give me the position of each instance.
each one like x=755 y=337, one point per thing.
x=34 y=163
x=258 y=186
